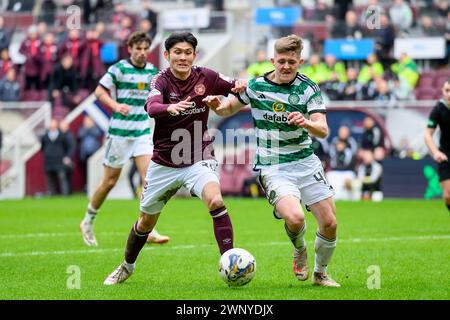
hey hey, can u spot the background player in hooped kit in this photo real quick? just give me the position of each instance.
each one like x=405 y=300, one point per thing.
x=129 y=127
x=440 y=117
x=286 y=108
x=183 y=152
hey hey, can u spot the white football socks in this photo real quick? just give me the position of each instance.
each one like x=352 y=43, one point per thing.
x=91 y=213
x=324 y=251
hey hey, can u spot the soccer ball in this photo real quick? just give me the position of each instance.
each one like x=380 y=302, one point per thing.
x=237 y=267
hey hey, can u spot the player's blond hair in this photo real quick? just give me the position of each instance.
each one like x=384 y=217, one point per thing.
x=289 y=43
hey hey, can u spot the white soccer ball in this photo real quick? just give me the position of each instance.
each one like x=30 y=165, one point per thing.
x=237 y=267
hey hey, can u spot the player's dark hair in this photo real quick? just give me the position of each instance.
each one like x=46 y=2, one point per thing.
x=138 y=37
x=177 y=37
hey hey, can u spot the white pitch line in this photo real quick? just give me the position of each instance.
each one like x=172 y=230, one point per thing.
x=51 y=235
x=93 y=250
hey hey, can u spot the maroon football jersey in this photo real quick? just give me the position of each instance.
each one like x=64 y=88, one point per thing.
x=182 y=140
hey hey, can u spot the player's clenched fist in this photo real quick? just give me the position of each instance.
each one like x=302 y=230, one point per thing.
x=175 y=109
x=122 y=108
x=297 y=119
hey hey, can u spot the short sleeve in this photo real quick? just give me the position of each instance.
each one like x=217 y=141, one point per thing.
x=433 y=119
x=315 y=102
x=110 y=79
x=243 y=97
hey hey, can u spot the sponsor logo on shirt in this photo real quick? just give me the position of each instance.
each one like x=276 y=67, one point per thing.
x=275 y=118
x=192 y=111
x=278 y=107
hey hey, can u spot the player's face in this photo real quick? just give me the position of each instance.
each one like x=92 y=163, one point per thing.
x=139 y=53
x=286 y=65
x=181 y=57
x=446 y=91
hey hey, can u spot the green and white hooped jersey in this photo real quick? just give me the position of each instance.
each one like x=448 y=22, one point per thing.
x=277 y=142
x=131 y=85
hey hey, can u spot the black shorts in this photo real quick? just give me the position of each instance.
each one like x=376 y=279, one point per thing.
x=444 y=171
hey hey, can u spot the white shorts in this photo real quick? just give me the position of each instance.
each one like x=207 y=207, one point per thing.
x=120 y=150
x=306 y=181
x=162 y=182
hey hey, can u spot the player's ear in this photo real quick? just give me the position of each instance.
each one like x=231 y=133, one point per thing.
x=272 y=60
x=129 y=49
x=166 y=55
x=301 y=61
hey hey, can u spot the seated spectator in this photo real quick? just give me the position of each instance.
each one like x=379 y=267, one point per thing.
x=332 y=88
x=333 y=66
x=146 y=27
x=383 y=93
x=427 y=28
x=42 y=29
x=151 y=16
x=47 y=12
x=349 y=29
x=261 y=66
x=10 y=87
x=342 y=170
x=122 y=33
x=406 y=70
x=30 y=49
x=5 y=35
x=352 y=89
x=369 y=177
x=63 y=83
x=443 y=9
x=118 y=14
x=344 y=135
x=48 y=55
x=321 y=11
x=5 y=62
x=372 y=138
x=401 y=16
x=371 y=70
x=400 y=89
x=315 y=70
x=92 y=67
x=74 y=46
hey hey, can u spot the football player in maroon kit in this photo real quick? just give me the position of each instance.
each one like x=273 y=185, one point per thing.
x=183 y=153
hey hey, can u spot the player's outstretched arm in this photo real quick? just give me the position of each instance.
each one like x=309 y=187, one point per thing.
x=223 y=108
x=104 y=97
x=437 y=155
x=315 y=125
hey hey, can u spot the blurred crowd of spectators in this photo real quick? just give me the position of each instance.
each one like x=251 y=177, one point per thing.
x=63 y=62
x=381 y=77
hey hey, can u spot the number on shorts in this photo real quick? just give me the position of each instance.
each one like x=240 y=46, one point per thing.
x=320 y=177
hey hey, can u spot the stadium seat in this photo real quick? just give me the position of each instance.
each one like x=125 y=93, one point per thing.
x=425 y=81
x=31 y=95
x=440 y=80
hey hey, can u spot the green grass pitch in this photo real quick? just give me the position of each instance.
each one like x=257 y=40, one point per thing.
x=41 y=250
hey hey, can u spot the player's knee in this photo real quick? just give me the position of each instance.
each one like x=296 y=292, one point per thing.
x=295 y=218
x=330 y=224
x=215 y=202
